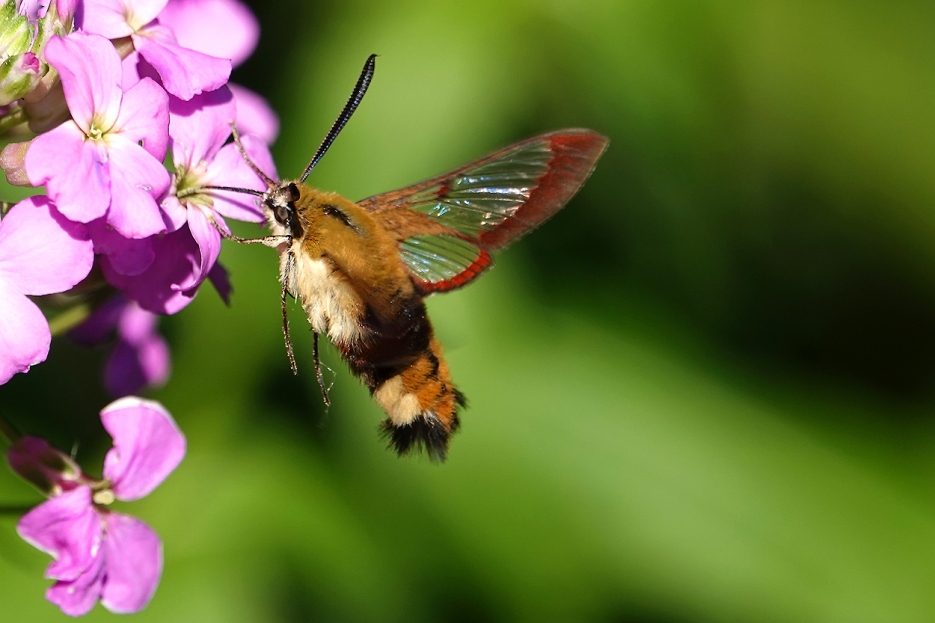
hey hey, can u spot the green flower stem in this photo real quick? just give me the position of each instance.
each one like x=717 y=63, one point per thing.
x=15 y=509
x=69 y=319
x=8 y=431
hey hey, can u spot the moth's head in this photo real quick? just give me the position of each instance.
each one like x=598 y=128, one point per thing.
x=280 y=200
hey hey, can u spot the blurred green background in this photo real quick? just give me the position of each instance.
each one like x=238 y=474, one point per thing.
x=702 y=392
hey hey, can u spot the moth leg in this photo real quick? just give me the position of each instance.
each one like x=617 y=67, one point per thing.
x=318 y=374
x=273 y=240
x=285 y=330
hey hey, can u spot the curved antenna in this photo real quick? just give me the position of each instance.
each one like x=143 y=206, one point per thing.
x=245 y=191
x=197 y=189
x=362 y=83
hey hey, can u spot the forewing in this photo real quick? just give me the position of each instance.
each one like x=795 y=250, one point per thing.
x=488 y=204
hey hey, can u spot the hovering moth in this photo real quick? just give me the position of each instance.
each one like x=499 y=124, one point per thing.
x=361 y=270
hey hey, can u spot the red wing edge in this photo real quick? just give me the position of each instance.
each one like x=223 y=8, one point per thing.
x=574 y=156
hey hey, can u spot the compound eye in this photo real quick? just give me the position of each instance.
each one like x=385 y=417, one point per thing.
x=282 y=214
x=294 y=192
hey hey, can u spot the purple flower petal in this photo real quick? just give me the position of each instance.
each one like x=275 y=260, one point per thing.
x=24 y=333
x=200 y=126
x=67 y=528
x=134 y=564
x=221 y=282
x=136 y=325
x=119 y=18
x=209 y=245
x=173 y=212
x=233 y=34
x=144 y=116
x=100 y=324
x=185 y=73
x=254 y=115
x=77 y=597
x=74 y=171
x=141 y=359
x=91 y=76
x=66 y=9
x=157 y=288
x=128 y=256
x=137 y=179
x=32 y=9
x=132 y=367
x=147 y=446
x=41 y=252
x=131 y=70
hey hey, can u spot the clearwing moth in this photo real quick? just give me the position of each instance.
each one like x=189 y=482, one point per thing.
x=361 y=270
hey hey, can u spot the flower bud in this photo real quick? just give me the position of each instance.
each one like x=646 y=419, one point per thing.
x=16 y=33
x=37 y=462
x=13 y=163
x=25 y=28
x=19 y=75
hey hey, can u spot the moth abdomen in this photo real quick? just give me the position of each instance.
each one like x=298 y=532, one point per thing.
x=421 y=404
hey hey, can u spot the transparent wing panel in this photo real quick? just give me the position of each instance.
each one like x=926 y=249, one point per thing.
x=435 y=259
x=482 y=197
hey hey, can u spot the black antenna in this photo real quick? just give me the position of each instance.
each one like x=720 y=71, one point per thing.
x=245 y=191
x=362 y=83
x=188 y=192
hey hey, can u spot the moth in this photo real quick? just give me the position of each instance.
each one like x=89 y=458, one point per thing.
x=361 y=270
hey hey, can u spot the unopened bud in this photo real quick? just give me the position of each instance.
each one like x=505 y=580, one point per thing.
x=16 y=33
x=19 y=75
x=42 y=465
x=13 y=163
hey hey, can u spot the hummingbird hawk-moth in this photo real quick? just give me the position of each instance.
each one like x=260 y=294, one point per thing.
x=362 y=269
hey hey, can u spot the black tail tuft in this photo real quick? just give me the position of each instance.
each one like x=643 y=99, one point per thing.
x=460 y=400
x=425 y=432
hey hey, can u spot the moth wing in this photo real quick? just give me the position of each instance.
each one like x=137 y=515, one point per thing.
x=448 y=226
x=439 y=263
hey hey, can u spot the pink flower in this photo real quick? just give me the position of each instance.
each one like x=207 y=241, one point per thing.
x=164 y=288
x=107 y=161
x=254 y=115
x=40 y=253
x=233 y=31
x=100 y=554
x=129 y=256
x=199 y=129
x=234 y=34
x=184 y=72
x=32 y=9
x=141 y=357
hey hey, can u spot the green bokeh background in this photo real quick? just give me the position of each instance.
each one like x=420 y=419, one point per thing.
x=702 y=392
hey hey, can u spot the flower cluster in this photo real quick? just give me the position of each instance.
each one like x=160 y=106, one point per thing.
x=113 y=88
x=121 y=113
